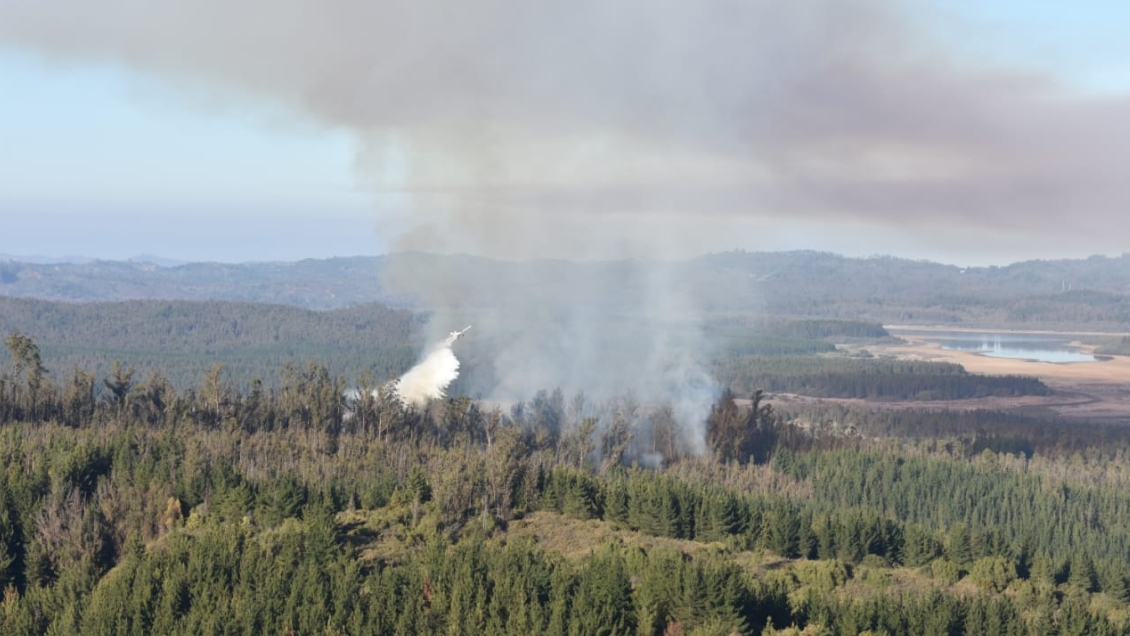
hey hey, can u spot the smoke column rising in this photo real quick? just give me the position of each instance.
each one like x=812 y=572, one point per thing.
x=603 y=329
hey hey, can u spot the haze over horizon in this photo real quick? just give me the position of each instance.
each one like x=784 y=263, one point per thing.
x=164 y=261
x=954 y=132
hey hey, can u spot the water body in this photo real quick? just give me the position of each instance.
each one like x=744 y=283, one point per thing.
x=1037 y=347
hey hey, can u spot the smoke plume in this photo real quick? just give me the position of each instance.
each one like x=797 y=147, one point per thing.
x=531 y=128
x=630 y=132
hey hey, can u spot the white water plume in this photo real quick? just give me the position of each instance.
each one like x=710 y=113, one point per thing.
x=430 y=378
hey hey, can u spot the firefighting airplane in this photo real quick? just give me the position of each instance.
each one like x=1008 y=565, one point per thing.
x=454 y=335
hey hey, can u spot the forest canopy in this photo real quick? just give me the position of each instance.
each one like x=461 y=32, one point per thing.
x=142 y=507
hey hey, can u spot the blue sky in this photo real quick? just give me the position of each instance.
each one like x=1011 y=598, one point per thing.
x=101 y=158
x=100 y=161
x=1082 y=42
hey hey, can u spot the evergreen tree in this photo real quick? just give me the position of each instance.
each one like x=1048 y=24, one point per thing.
x=602 y=605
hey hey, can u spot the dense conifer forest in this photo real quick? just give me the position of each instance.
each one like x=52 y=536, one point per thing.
x=868 y=378
x=131 y=505
x=183 y=341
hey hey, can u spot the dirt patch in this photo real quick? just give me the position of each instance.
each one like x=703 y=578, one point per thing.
x=1096 y=391
x=575 y=538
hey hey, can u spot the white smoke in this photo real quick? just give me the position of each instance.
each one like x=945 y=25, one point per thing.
x=597 y=329
x=430 y=378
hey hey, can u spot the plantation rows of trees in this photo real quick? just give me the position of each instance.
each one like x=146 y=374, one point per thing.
x=1072 y=307
x=974 y=429
x=802 y=329
x=183 y=340
x=748 y=336
x=868 y=378
x=1119 y=346
x=144 y=508
x=178 y=345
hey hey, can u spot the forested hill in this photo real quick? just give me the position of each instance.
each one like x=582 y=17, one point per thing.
x=1092 y=292
x=315 y=284
x=186 y=338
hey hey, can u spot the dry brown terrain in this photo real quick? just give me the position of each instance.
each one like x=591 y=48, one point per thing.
x=1090 y=390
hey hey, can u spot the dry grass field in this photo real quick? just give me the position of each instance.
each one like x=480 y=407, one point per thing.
x=1098 y=391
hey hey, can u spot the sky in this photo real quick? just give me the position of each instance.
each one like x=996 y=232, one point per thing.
x=964 y=131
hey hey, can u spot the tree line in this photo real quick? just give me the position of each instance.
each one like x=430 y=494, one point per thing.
x=868 y=378
x=183 y=340
x=145 y=508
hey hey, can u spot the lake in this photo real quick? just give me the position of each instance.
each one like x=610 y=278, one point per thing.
x=1019 y=346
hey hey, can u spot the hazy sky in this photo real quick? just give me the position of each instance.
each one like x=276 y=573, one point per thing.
x=964 y=131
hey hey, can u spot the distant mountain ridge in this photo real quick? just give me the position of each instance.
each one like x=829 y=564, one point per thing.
x=800 y=283
x=312 y=284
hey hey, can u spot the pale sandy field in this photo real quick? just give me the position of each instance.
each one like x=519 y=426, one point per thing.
x=1092 y=390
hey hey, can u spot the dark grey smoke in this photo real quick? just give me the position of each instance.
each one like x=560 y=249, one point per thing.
x=573 y=124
